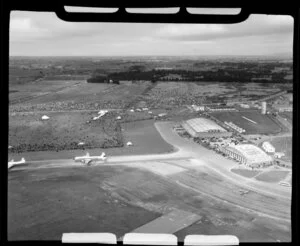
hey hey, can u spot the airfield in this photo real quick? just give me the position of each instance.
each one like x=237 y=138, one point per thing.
x=163 y=183
x=158 y=189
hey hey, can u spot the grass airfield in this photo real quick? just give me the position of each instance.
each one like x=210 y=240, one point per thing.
x=122 y=198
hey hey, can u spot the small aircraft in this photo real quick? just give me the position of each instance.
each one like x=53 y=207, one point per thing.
x=14 y=163
x=87 y=159
x=285 y=184
x=243 y=192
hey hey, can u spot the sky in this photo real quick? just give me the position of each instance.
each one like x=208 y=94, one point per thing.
x=44 y=34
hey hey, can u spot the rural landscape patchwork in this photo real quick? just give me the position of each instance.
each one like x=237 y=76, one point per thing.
x=155 y=144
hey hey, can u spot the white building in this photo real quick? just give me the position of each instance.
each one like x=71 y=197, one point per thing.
x=244 y=105
x=268 y=147
x=198 y=108
x=248 y=154
x=202 y=127
x=45 y=117
x=279 y=154
x=263 y=107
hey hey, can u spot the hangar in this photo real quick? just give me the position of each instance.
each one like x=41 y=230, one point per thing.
x=248 y=154
x=202 y=127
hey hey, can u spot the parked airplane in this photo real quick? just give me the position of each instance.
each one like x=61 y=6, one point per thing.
x=87 y=159
x=14 y=163
x=285 y=184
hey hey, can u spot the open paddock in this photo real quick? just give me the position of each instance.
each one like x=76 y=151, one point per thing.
x=62 y=131
x=283 y=144
x=288 y=116
x=245 y=172
x=69 y=95
x=272 y=176
x=264 y=123
x=136 y=132
x=37 y=90
x=145 y=138
x=170 y=94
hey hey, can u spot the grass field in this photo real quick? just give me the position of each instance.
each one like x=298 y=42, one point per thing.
x=283 y=144
x=245 y=172
x=73 y=94
x=72 y=200
x=19 y=76
x=272 y=176
x=246 y=229
x=39 y=89
x=288 y=116
x=166 y=94
x=62 y=131
x=119 y=199
x=136 y=132
x=145 y=138
x=265 y=124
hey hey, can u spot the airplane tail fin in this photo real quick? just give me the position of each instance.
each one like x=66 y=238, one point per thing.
x=23 y=159
x=87 y=154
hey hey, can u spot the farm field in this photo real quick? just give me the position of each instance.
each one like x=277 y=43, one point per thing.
x=264 y=123
x=39 y=89
x=28 y=132
x=69 y=95
x=19 y=76
x=245 y=172
x=272 y=176
x=168 y=94
x=283 y=144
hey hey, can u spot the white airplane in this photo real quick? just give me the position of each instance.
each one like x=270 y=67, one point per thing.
x=87 y=159
x=285 y=184
x=14 y=163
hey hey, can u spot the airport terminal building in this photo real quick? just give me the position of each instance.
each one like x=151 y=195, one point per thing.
x=202 y=127
x=248 y=154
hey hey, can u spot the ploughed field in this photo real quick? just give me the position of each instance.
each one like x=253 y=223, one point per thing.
x=44 y=203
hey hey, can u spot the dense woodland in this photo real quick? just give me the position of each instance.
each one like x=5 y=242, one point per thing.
x=228 y=73
x=97 y=70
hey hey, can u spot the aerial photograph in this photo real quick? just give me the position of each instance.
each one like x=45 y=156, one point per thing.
x=122 y=128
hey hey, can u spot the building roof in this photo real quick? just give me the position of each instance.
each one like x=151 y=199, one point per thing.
x=251 y=152
x=204 y=125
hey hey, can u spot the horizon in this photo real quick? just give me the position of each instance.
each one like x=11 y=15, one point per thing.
x=182 y=56
x=44 y=34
